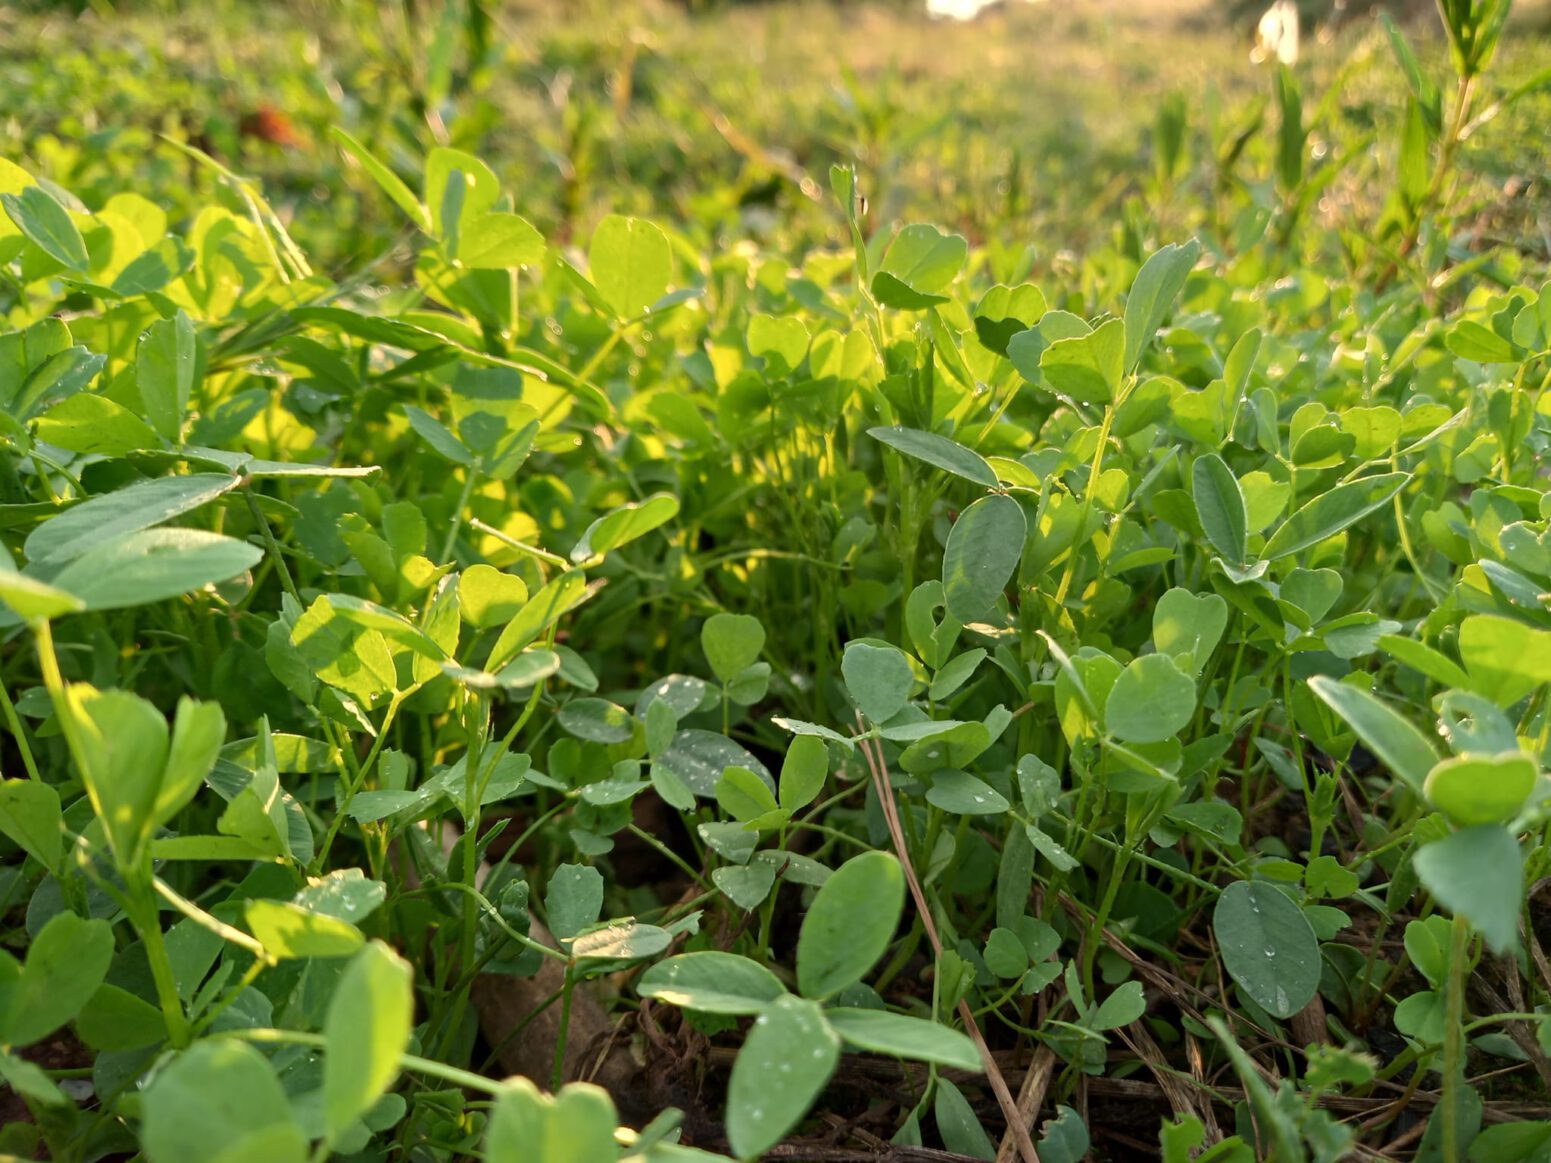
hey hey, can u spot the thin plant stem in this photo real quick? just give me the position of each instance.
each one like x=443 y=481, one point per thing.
x=872 y=750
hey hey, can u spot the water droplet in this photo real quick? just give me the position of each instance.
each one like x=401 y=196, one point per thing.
x=1270 y=951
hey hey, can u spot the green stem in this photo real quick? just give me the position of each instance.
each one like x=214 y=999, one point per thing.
x=426 y=1066
x=1094 y=470
x=14 y=725
x=1454 y=1039
x=354 y=783
x=470 y=478
x=147 y=922
x=557 y=1075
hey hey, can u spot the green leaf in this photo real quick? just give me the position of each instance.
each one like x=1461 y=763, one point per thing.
x=623 y=940
x=699 y=757
x=541 y=611
x=457 y=186
x=850 y=924
x=783 y=1066
x=65 y=965
x=1122 y=1007
x=747 y=886
x=198 y=731
x=803 y=772
x=1004 y=311
x=164 y=373
x=1482 y=789
x=115 y=1019
x=345 y=894
x=1478 y=874
x=389 y=182
x=499 y=241
x=30 y=819
x=1188 y=626
x=780 y=340
x=1505 y=659
x=30 y=1080
x=1330 y=512
x=1423 y=658
x=1220 y=507
x=631 y=264
x=107 y=517
x=624 y=525
x=365 y=1032
x=287 y=930
x=919 y=264
x=955 y=673
x=91 y=423
x=938 y=451
x=712 y=982
x=1470 y=340
x=983 y=551
x=487 y=597
x=1515 y=1142
x=1064 y=1139
x=958 y=1124
x=389 y=623
x=1152 y=700
x=344 y=654
x=905 y=1037
x=743 y=795
x=219 y=1100
x=1157 y=285
x=48 y=226
x=57 y=379
x=878 y=678
x=30 y=598
x=732 y=643
x=1390 y=736
x=123 y=748
x=1087 y=368
x=1268 y=946
x=597 y=720
x=964 y=795
x=575 y=1126
x=153 y=565
x=438 y=436
x=573 y=900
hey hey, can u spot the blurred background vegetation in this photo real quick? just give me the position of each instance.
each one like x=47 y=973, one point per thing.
x=1044 y=130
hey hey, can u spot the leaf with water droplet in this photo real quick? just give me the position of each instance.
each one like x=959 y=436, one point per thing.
x=764 y=1101
x=1268 y=946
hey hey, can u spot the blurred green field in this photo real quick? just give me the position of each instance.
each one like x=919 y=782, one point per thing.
x=1036 y=124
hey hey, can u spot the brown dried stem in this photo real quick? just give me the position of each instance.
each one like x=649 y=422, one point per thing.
x=872 y=751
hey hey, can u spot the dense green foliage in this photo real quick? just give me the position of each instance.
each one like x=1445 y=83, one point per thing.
x=457 y=641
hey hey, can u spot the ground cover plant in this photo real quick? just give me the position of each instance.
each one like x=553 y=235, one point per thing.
x=520 y=683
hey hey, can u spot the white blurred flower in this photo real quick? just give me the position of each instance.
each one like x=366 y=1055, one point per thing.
x=1277 y=34
x=956 y=9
